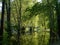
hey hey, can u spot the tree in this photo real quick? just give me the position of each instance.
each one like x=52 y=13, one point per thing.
x=2 y=21
x=51 y=22
x=8 y=20
x=58 y=16
x=19 y=23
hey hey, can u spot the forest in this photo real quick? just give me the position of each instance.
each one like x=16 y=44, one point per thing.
x=29 y=22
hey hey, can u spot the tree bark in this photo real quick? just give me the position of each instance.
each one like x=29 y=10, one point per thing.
x=8 y=21
x=2 y=21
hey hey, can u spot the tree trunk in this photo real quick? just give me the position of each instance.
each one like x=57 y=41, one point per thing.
x=8 y=21
x=58 y=17
x=19 y=24
x=51 y=22
x=2 y=21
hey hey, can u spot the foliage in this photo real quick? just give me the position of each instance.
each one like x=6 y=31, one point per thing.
x=40 y=16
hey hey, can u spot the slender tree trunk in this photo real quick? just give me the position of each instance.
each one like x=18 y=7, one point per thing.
x=8 y=21
x=51 y=19
x=19 y=24
x=2 y=21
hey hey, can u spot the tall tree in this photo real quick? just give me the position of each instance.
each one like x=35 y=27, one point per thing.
x=8 y=20
x=2 y=21
x=51 y=22
x=19 y=23
x=58 y=17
